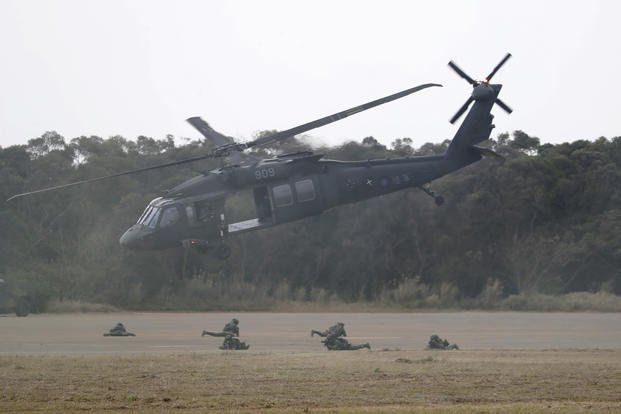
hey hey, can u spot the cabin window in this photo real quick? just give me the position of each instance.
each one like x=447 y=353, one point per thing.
x=282 y=195
x=305 y=190
x=169 y=217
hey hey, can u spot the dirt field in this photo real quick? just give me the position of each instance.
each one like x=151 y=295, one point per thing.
x=287 y=332
x=509 y=362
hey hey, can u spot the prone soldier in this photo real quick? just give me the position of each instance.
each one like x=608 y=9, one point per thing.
x=118 y=330
x=435 y=342
x=337 y=343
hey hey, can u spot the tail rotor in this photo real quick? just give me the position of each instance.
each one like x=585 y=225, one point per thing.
x=481 y=90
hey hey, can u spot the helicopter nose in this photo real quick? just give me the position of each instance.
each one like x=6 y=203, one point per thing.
x=131 y=239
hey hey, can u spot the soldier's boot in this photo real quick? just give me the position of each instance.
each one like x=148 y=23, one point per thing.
x=356 y=347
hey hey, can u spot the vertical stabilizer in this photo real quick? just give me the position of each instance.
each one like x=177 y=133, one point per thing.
x=478 y=125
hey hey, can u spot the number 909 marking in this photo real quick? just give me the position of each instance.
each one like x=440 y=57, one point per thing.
x=264 y=173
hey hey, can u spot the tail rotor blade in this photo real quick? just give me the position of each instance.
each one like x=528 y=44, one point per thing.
x=462 y=73
x=498 y=66
x=461 y=110
x=504 y=106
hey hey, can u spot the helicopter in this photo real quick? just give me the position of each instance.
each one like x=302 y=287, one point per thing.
x=293 y=186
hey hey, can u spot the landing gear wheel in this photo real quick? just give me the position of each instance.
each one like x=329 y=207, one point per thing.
x=222 y=251
x=439 y=200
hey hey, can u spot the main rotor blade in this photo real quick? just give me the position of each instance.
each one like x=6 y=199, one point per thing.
x=217 y=140
x=210 y=134
x=498 y=66
x=92 y=180
x=279 y=136
x=461 y=110
x=462 y=73
x=504 y=106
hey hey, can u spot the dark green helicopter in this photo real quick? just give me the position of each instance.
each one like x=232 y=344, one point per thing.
x=293 y=186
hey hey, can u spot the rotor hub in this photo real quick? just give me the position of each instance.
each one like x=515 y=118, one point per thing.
x=483 y=92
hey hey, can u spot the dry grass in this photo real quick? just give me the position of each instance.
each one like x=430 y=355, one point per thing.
x=77 y=306
x=345 y=382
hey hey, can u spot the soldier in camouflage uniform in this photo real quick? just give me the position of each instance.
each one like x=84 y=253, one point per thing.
x=118 y=330
x=230 y=332
x=337 y=343
x=233 y=343
x=338 y=330
x=231 y=328
x=335 y=340
x=435 y=342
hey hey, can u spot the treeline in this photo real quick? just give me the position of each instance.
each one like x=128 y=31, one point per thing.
x=547 y=220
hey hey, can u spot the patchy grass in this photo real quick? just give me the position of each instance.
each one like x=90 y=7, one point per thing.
x=342 y=382
x=76 y=306
x=533 y=302
x=409 y=294
x=570 y=302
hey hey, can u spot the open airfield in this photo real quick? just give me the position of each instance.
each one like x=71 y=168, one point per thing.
x=508 y=362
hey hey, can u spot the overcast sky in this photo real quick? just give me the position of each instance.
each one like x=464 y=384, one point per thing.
x=135 y=68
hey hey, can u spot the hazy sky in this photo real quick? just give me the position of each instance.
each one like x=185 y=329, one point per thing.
x=142 y=67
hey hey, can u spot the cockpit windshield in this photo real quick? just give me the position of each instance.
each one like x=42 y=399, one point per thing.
x=144 y=214
x=158 y=214
x=150 y=216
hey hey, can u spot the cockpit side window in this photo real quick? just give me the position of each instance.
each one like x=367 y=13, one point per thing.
x=169 y=216
x=205 y=211
x=190 y=213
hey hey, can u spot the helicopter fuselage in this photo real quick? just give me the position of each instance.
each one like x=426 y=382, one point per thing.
x=284 y=189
